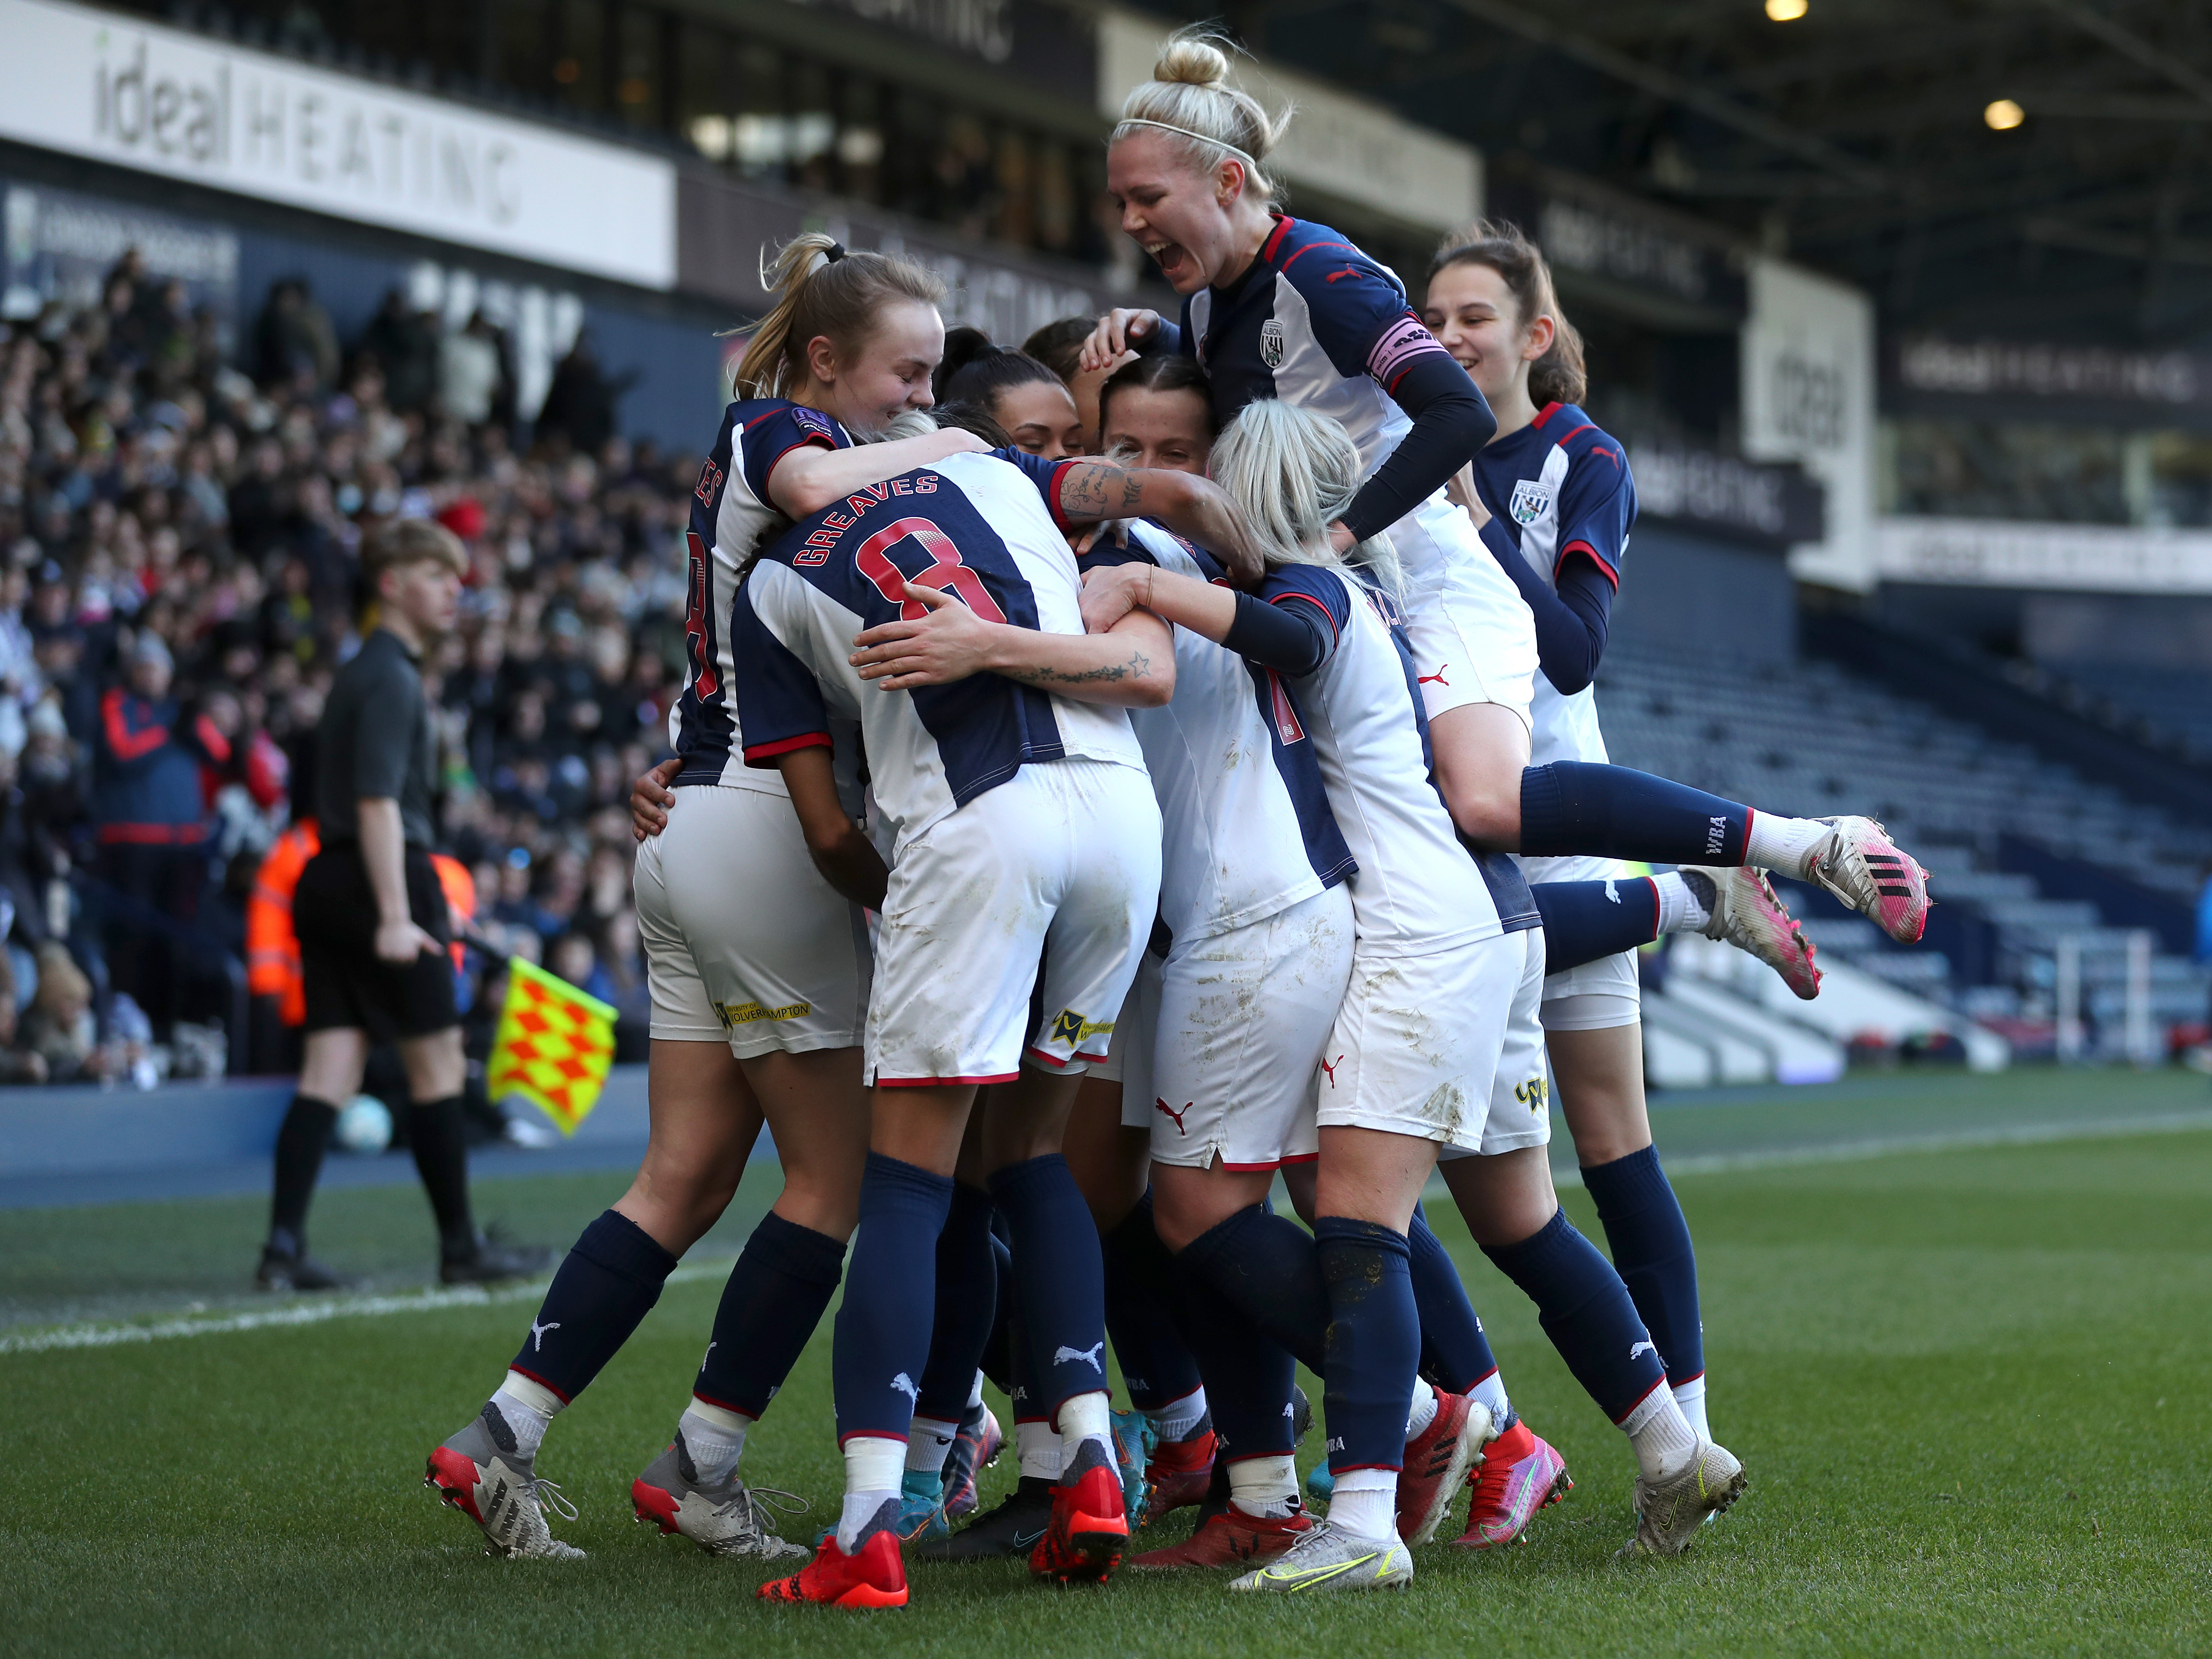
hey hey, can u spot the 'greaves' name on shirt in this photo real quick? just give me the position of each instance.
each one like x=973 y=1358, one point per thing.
x=820 y=545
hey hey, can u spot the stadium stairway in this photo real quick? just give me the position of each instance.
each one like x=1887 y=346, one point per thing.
x=2025 y=850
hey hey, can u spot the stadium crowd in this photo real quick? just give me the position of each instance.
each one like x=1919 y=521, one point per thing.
x=177 y=554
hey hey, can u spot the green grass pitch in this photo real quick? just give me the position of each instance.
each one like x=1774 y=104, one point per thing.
x=1969 y=1385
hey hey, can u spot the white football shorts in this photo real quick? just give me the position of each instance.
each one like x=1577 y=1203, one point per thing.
x=1472 y=635
x=1595 y=996
x=1225 y=1044
x=1427 y=1045
x=744 y=942
x=1521 y=1087
x=1062 y=861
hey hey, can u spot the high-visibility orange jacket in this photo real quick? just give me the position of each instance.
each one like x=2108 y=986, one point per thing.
x=272 y=949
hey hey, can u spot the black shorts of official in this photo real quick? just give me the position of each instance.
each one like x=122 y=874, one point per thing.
x=334 y=914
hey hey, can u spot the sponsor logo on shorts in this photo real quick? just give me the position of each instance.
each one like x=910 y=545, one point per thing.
x=1330 y=1066
x=1162 y=1105
x=1071 y=1028
x=1532 y=499
x=1436 y=678
x=1535 y=1094
x=735 y=1014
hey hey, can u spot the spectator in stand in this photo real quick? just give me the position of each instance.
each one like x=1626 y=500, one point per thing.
x=17 y=1064
x=150 y=810
x=295 y=344
x=404 y=344
x=469 y=372
x=580 y=405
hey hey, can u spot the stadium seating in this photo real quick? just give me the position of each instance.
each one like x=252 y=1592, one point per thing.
x=2172 y=703
x=1814 y=738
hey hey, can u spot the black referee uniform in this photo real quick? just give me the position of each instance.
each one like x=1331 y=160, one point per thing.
x=375 y=742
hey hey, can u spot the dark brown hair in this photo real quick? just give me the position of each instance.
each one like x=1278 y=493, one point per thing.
x=1058 y=346
x=1557 y=376
x=1168 y=370
x=823 y=292
x=975 y=371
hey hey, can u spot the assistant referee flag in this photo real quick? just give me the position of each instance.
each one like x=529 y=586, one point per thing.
x=554 y=1045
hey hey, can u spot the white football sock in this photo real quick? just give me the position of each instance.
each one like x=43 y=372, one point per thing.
x=1682 y=908
x=1366 y=1504
x=1086 y=1417
x=1264 y=1486
x=1774 y=842
x=1663 y=1439
x=529 y=1407
x=716 y=1437
x=1691 y=1397
x=1179 y=1418
x=872 y=1480
x=1423 y=1412
x=926 y=1443
x=1037 y=1444
x=1490 y=1393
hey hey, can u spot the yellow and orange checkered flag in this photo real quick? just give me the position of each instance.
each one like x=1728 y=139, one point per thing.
x=554 y=1045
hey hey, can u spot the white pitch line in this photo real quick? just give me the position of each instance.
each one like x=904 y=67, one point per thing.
x=308 y=1313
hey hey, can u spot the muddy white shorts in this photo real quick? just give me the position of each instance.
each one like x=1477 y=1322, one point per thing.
x=1521 y=1087
x=744 y=942
x=1594 y=996
x=1062 y=861
x=1472 y=635
x=1226 y=1048
x=1421 y=1046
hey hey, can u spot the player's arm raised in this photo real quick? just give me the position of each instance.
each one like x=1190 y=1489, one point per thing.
x=1133 y=665
x=1190 y=505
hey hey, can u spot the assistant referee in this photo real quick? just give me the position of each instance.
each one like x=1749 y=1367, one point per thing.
x=372 y=921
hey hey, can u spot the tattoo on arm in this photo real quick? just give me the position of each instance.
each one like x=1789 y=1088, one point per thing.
x=1086 y=491
x=1140 y=666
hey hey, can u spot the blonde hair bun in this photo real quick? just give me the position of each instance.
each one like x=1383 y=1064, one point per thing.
x=1192 y=60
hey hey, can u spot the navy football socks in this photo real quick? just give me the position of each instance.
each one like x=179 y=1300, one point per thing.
x=1264 y=1263
x=967 y=1306
x=1611 y=811
x=1143 y=1297
x=1248 y=1377
x=1454 y=1353
x=774 y=1300
x=1651 y=1244
x=607 y=1283
x=1059 y=1278
x=1586 y=1311
x=883 y=1327
x=1589 y=920
x=1374 y=1342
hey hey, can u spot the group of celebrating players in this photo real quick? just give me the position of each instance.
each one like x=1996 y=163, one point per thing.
x=1209 y=784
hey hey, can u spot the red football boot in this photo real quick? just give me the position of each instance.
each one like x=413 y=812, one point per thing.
x=1179 y=1473
x=1230 y=1539
x=1437 y=1463
x=1520 y=1475
x=872 y=1577
x=1089 y=1530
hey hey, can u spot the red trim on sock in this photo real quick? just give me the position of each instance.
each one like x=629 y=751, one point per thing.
x=1640 y=1399
x=1353 y=1469
x=1479 y=1380
x=726 y=1406
x=1686 y=1381
x=1750 y=818
x=543 y=1383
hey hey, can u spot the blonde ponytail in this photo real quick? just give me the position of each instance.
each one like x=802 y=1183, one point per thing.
x=1189 y=96
x=1292 y=473
x=822 y=292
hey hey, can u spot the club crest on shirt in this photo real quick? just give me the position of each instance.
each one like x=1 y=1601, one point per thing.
x=1271 y=343
x=1532 y=499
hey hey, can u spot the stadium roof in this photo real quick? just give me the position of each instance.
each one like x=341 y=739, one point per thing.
x=1866 y=137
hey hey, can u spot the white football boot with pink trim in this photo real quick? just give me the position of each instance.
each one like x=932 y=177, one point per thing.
x=1746 y=913
x=1860 y=866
